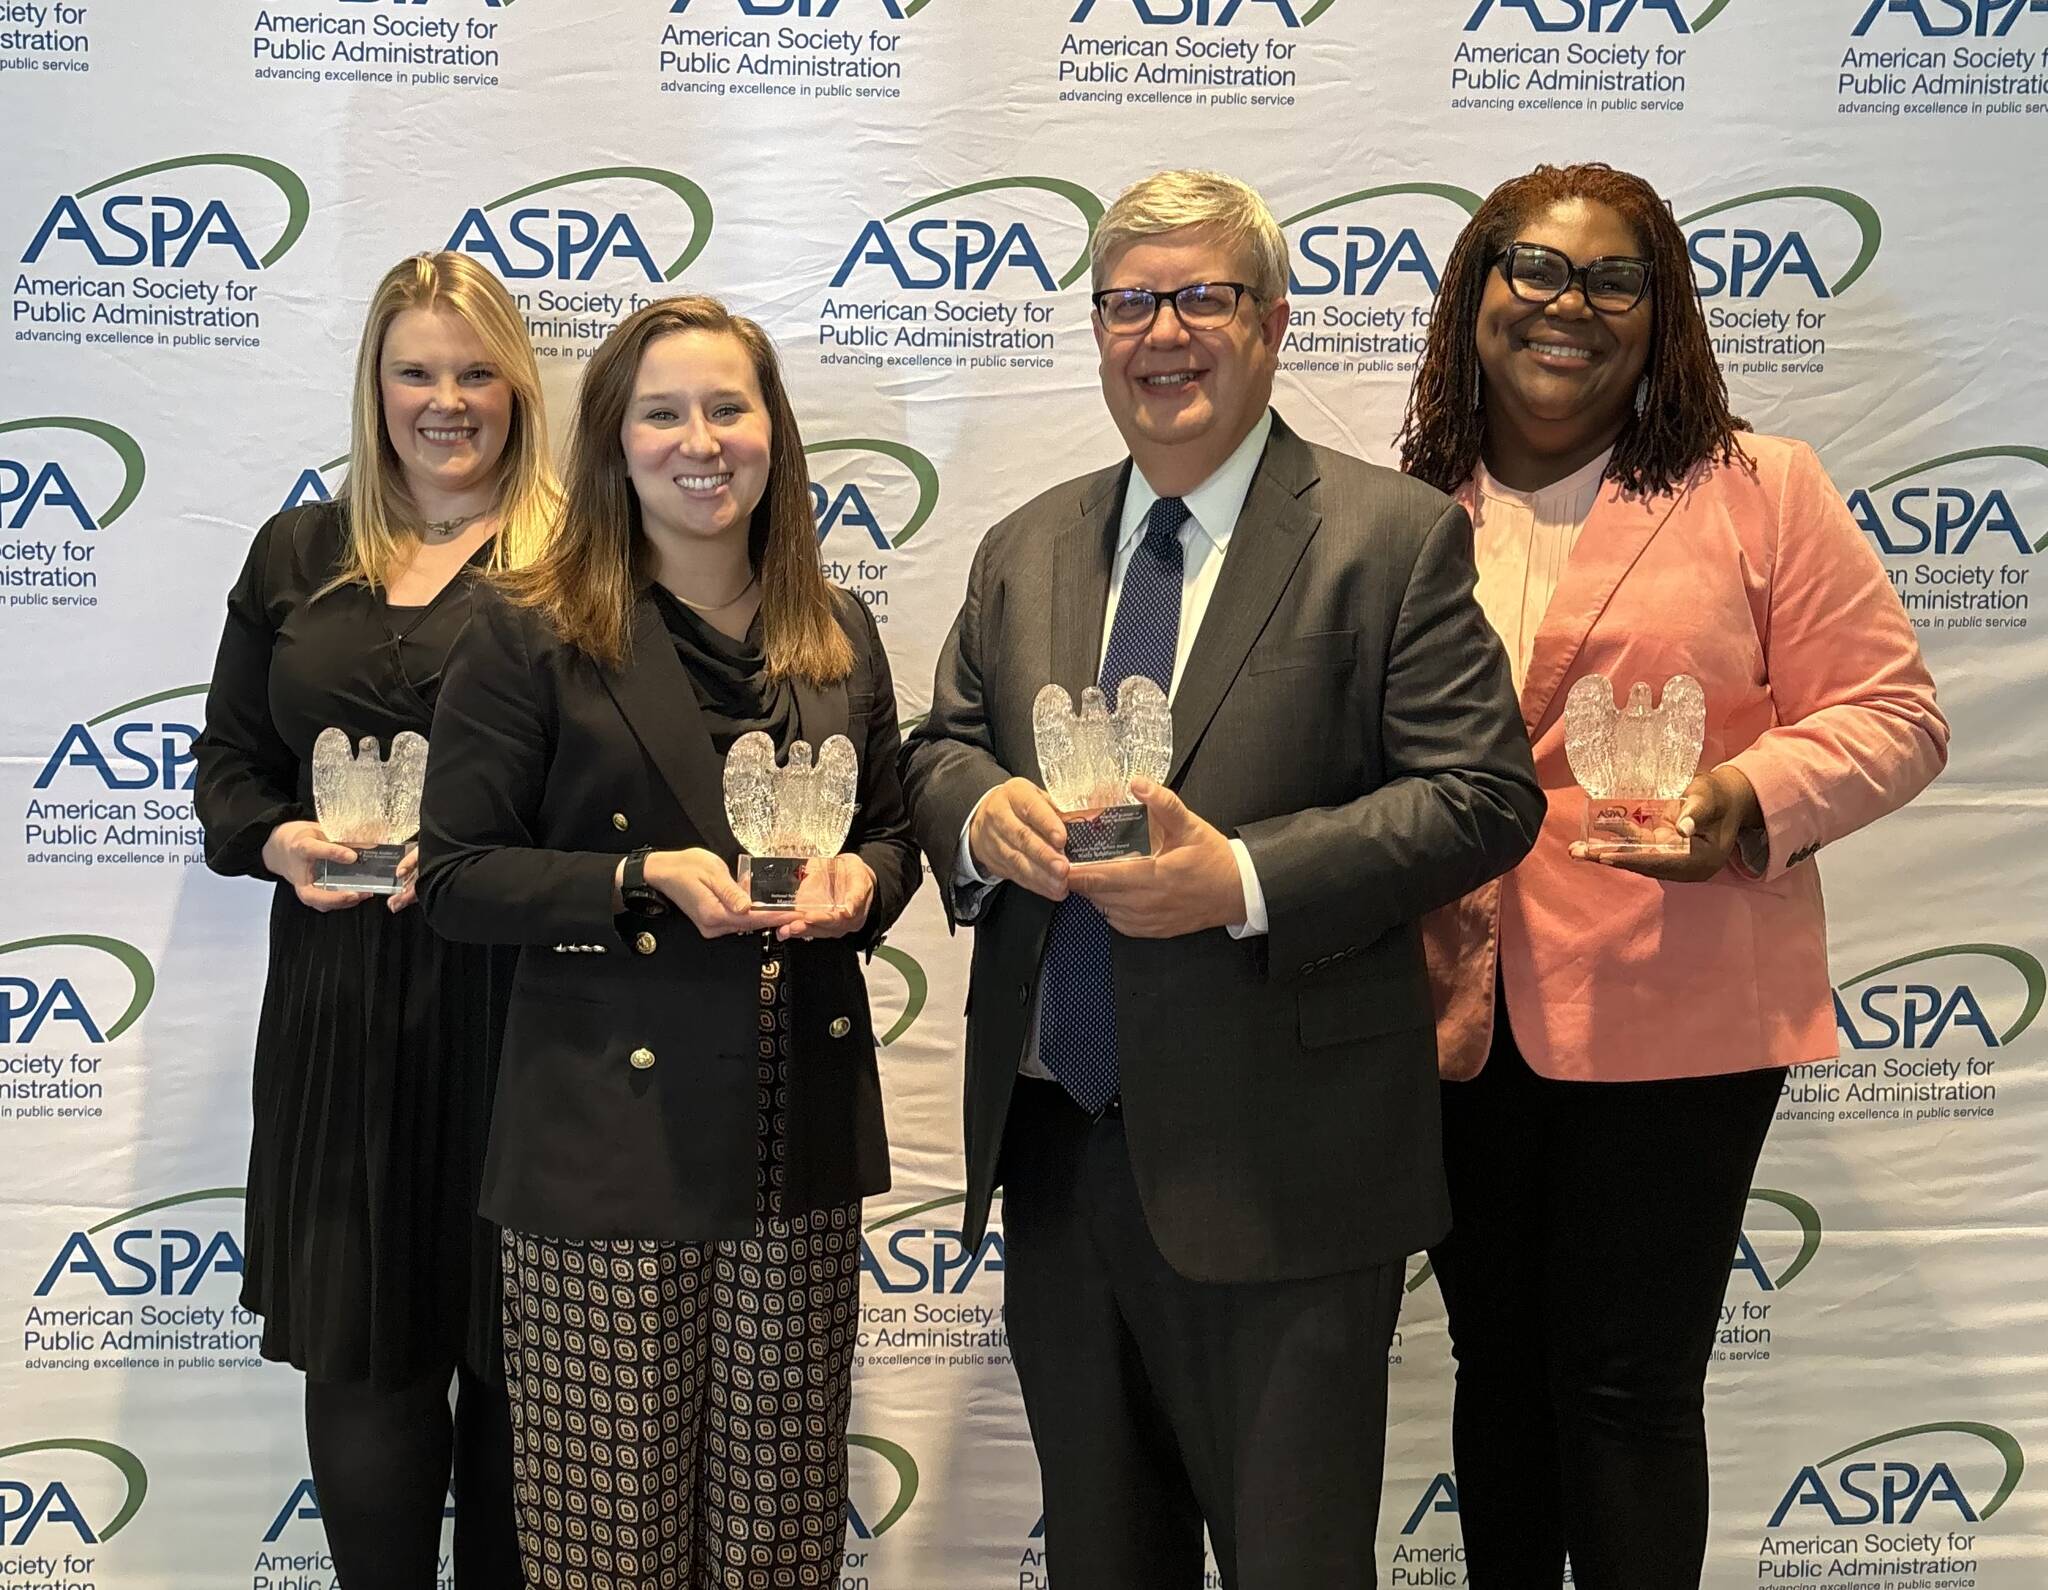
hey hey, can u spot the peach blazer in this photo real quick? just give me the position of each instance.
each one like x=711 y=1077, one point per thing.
x=1757 y=582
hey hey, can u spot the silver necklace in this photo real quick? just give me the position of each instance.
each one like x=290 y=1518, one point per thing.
x=447 y=529
x=716 y=607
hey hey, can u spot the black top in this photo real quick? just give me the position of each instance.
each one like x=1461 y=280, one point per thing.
x=730 y=677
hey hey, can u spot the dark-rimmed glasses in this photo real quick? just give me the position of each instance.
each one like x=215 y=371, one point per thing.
x=1200 y=306
x=1538 y=274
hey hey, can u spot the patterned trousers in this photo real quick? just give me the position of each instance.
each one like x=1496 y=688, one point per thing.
x=679 y=1409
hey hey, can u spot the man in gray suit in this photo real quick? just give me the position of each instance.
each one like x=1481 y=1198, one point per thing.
x=1206 y=1078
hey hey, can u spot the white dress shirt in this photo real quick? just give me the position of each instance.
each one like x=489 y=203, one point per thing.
x=1521 y=541
x=1213 y=510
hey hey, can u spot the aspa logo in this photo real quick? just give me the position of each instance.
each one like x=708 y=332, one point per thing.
x=861 y=492
x=967 y=251
x=813 y=10
x=1821 y=239
x=1950 y=19
x=79 y=986
x=75 y=1491
x=142 y=1252
x=1439 y=1496
x=55 y=473
x=1960 y=1472
x=918 y=1257
x=1208 y=13
x=881 y=1485
x=1982 y=995
x=316 y=483
x=1944 y=508
x=131 y=747
x=1598 y=16
x=656 y=237
x=1777 y=1241
x=202 y=219
x=303 y=1506
x=1393 y=235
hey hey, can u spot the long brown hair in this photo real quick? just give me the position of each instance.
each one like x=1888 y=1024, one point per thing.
x=381 y=516
x=1685 y=419
x=594 y=569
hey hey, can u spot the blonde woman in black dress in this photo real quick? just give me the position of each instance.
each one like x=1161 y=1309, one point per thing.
x=376 y=1049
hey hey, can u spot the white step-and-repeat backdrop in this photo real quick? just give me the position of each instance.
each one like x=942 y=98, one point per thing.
x=195 y=201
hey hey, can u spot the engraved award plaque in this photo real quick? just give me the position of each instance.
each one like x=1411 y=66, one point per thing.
x=369 y=804
x=1634 y=762
x=791 y=821
x=1086 y=762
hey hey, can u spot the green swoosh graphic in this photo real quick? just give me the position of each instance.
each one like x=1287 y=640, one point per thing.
x=906 y=1476
x=2032 y=455
x=1708 y=15
x=146 y=701
x=1076 y=195
x=128 y=955
x=1315 y=11
x=915 y=985
x=1859 y=210
x=1809 y=1229
x=915 y=6
x=926 y=1207
x=204 y=1195
x=1464 y=198
x=2019 y=960
x=129 y=1465
x=921 y=468
x=298 y=203
x=1416 y=1281
x=125 y=447
x=2007 y=1448
x=682 y=187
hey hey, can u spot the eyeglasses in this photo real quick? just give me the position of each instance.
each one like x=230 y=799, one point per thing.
x=1613 y=284
x=1201 y=306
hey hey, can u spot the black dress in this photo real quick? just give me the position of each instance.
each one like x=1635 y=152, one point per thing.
x=376 y=1051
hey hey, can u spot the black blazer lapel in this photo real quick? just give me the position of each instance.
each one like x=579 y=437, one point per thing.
x=1081 y=557
x=654 y=695
x=1272 y=533
x=822 y=712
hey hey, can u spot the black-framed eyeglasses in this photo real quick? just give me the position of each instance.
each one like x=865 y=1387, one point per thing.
x=1200 y=306
x=1537 y=274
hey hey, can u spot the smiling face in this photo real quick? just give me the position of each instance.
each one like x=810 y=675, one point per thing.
x=697 y=436
x=447 y=409
x=1560 y=378
x=1184 y=399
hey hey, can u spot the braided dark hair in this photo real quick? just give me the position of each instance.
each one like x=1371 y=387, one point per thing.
x=1685 y=420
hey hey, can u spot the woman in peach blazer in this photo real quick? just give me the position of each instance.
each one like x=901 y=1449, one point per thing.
x=1614 y=1033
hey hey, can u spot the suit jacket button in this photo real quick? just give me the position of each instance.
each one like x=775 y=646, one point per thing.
x=619 y=821
x=641 y=1059
x=644 y=943
x=840 y=1027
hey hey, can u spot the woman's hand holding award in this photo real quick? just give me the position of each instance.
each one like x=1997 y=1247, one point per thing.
x=1634 y=763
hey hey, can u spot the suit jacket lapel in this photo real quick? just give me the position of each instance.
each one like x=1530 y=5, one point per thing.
x=1081 y=558
x=1272 y=533
x=1615 y=534
x=654 y=695
x=821 y=713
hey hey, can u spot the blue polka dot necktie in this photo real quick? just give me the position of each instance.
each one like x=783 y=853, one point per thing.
x=1077 y=990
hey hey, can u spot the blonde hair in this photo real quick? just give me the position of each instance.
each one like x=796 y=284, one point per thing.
x=378 y=509
x=586 y=581
x=1172 y=200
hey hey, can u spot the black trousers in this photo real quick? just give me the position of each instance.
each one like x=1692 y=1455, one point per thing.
x=1593 y=1227
x=1159 y=1404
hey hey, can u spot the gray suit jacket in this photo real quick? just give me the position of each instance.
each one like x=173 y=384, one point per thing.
x=1347 y=712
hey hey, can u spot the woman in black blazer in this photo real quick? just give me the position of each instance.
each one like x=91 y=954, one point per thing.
x=689 y=1111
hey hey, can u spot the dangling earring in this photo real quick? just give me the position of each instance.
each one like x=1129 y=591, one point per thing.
x=1642 y=394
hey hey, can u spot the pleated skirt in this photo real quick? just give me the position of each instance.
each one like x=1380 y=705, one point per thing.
x=376 y=1061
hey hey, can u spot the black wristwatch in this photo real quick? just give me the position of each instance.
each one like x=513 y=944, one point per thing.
x=641 y=897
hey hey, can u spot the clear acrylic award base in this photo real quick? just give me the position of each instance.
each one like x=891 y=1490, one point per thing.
x=811 y=886
x=1107 y=833
x=1618 y=825
x=374 y=871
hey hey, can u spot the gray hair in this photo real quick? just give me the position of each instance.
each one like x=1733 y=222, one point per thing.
x=1173 y=200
